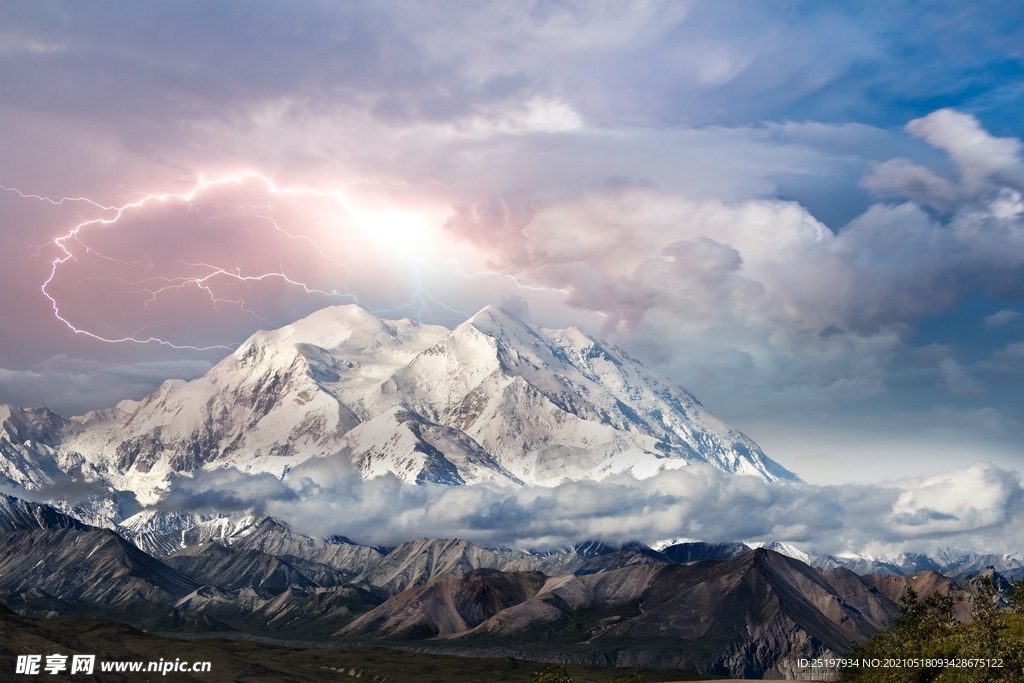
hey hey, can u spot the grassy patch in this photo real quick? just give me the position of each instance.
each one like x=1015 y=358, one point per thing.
x=237 y=660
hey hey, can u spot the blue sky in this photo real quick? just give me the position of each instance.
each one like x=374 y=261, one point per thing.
x=809 y=214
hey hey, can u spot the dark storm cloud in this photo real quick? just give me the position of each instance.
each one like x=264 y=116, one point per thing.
x=61 y=491
x=72 y=386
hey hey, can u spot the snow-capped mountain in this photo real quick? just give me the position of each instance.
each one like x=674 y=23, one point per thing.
x=950 y=562
x=494 y=400
x=956 y=564
x=786 y=549
x=29 y=441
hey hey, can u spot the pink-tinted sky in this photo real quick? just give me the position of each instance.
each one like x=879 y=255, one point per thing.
x=810 y=216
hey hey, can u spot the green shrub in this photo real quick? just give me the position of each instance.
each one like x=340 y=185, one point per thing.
x=551 y=674
x=926 y=637
x=631 y=677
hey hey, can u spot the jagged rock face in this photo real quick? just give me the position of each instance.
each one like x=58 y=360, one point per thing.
x=29 y=441
x=325 y=562
x=494 y=400
x=230 y=569
x=403 y=443
x=94 y=565
x=162 y=533
x=275 y=539
x=22 y=515
x=427 y=560
x=685 y=553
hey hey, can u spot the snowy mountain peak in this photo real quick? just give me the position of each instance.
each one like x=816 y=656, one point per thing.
x=496 y=322
x=345 y=329
x=494 y=400
x=786 y=549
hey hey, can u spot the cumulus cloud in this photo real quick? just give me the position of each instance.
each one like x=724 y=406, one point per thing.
x=1002 y=317
x=978 y=507
x=913 y=181
x=223 y=491
x=980 y=158
x=984 y=163
x=968 y=500
x=759 y=291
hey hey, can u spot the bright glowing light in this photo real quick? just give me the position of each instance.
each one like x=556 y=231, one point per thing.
x=407 y=234
x=406 y=237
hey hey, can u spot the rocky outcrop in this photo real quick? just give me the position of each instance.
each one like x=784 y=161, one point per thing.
x=752 y=616
x=93 y=565
x=23 y=515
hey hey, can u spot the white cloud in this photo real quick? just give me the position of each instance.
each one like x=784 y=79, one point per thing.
x=536 y=115
x=980 y=158
x=759 y=297
x=958 y=380
x=978 y=507
x=1001 y=318
x=1007 y=205
x=965 y=501
x=913 y=181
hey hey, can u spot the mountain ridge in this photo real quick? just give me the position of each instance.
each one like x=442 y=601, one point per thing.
x=494 y=400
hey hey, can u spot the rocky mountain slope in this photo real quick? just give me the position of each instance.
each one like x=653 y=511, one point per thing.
x=23 y=515
x=92 y=565
x=752 y=614
x=29 y=446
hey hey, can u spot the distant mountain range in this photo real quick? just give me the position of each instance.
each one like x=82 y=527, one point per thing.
x=716 y=608
x=494 y=400
x=161 y=534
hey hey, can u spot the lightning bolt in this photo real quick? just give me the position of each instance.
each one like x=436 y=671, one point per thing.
x=203 y=276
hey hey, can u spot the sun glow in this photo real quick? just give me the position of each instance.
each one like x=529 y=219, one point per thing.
x=235 y=247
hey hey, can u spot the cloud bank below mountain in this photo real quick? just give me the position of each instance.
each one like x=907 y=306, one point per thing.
x=980 y=507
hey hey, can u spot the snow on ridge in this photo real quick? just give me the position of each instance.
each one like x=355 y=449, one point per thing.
x=493 y=400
